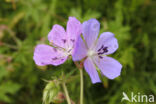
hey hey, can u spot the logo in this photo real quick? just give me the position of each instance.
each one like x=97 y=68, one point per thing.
x=137 y=97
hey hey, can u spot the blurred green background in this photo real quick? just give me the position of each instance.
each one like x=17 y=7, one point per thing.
x=26 y=23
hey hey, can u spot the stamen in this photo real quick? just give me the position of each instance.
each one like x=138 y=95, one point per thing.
x=73 y=40
x=100 y=57
x=105 y=49
x=102 y=50
x=64 y=40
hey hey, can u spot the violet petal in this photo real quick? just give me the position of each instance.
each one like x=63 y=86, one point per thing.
x=73 y=30
x=91 y=70
x=107 y=40
x=58 y=36
x=90 y=31
x=109 y=67
x=46 y=55
x=80 y=50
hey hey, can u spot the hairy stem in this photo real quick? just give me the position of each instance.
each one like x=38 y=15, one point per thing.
x=66 y=93
x=81 y=86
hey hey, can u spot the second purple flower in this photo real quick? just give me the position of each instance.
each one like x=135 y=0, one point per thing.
x=95 y=50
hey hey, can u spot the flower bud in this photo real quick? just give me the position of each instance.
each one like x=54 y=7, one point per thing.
x=50 y=92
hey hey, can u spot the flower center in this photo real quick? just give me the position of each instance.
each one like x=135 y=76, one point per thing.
x=68 y=51
x=90 y=53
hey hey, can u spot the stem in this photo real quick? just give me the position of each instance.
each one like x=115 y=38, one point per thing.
x=81 y=86
x=66 y=93
x=10 y=46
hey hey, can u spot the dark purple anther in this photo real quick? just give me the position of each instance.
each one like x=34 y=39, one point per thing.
x=105 y=49
x=102 y=50
x=100 y=57
x=72 y=40
x=64 y=40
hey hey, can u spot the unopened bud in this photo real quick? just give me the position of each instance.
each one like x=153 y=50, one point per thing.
x=59 y=98
x=50 y=92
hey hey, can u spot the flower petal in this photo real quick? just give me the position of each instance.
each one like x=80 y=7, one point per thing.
x=109 y=67
x=57 y=36
x=91 y=70
x=108 y=41
x=80 y=50
x=73 y=30
x=46 y=55
x=90 y=31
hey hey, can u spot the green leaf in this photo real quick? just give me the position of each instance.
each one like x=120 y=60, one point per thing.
x=8 y=88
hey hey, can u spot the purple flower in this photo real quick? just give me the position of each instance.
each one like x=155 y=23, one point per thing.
x=94 y=51
x=62 y=44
